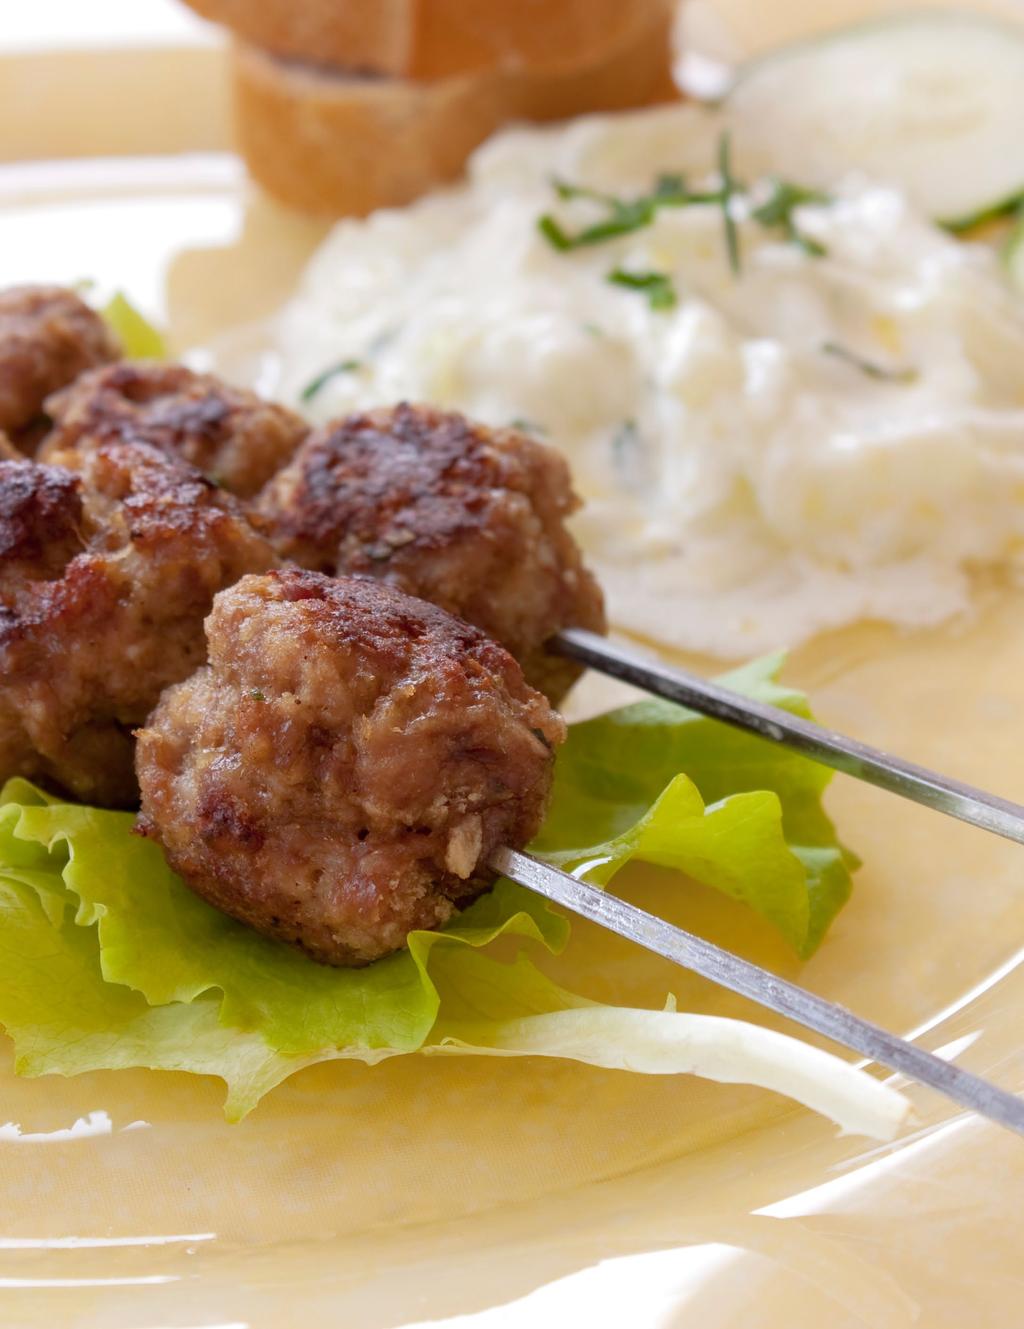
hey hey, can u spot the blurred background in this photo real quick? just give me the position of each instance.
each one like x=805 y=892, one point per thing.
x=135 y=98
x=147 y=78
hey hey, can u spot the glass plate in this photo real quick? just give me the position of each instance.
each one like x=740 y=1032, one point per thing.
x=529 y=1191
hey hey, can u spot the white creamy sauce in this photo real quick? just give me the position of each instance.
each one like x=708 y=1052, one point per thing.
x=744 y=486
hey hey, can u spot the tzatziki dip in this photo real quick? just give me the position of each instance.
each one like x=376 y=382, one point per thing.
x=785 y=409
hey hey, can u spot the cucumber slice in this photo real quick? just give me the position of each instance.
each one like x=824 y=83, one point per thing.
x=931 y=102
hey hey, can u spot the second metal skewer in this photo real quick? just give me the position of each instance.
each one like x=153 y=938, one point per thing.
x=963 y=801
x=776 y=994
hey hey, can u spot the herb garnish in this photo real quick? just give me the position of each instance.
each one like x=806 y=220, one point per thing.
x=567 y=191
x=256 y=694
x=778 y=210
x=623 y=216
x=657 y=286
x=726 y=194
x=869 y=367
x=525 y=426
x=332 y=371
x=625 y=441
x=1007 y=207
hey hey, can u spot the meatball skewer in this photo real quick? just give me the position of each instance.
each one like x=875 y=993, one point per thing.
x=341 y=770
x=389 y=764
x=434 y=834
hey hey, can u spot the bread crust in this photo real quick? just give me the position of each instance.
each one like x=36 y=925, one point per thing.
x=431 y=39
x=335 y=145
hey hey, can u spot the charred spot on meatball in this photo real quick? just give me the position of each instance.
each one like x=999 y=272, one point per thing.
x=233 y=436
x=340 y=771
x=42 y=525
x=470 y=518
x=108 y=567
x=48 y=336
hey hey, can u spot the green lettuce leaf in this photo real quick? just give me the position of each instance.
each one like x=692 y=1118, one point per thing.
x=777 y=849
x=139 y=339
x=108 y=961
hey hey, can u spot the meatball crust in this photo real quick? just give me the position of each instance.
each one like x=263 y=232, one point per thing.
x=48 y=336
x=231 y=435
x=470 y=518
x=341 y=770
x=106 y=574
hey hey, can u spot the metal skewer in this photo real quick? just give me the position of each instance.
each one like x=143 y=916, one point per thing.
x=917 y=783
x=749 y=980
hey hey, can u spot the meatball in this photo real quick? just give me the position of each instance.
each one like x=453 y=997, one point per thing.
x=231 y=435
x=47 y=337
x=470 y=518
x=106 y=574
x=341 y=770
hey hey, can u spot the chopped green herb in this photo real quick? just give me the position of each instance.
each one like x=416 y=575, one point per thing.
x=332 y=371
x=778 y=210
x=624 y=216
x=568 y=191
x=1008 y=207
x=728 y=191
x=526 y=426
x=671 y=186
x=657 y=286
x=256 y=694
x=814 y=248
x=672 y=191
x=624 y=443
x=623 y=220
x=553 y=233
x=382 y=341
x=869 y=367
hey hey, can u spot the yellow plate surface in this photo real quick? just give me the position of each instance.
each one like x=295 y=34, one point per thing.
x=533 y=1192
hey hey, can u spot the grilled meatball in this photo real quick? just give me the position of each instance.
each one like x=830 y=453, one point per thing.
x=470 y=518
x=340 y=771
x=47 y=337
x=106 y=574
x=234 y=437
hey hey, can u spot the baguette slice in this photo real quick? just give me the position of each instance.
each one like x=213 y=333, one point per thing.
x=429 y=39
x=335 y=144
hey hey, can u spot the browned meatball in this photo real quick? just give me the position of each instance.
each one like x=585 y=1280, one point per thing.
x=470 y=518
x=234 y=437
x=47 y=337
x=106 y=575
x=342 y=769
